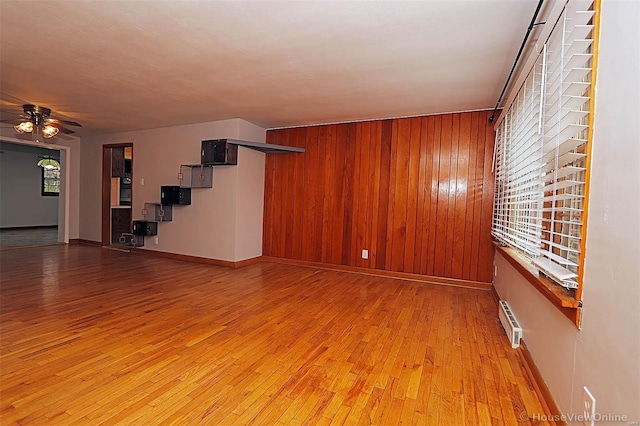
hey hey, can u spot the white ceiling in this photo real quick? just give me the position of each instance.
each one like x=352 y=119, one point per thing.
x=130 y=65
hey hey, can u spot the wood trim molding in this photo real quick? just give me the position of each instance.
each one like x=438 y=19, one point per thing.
x=539 y=385
x=84 y=242
x=587 y=172
x=561 y=298
x=198 y=259
x=496 y=296
x=105 y=207
x=382 y=273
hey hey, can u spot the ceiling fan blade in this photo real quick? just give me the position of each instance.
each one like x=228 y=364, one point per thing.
x=12 y=121
x=67 y=122
x=62 y=128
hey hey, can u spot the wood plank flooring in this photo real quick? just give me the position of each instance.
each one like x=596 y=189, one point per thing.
x=92 y=336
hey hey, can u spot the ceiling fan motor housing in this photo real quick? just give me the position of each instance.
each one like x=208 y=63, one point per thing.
x=36 y=113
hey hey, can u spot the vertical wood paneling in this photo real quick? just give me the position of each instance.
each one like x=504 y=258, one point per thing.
x=330 y=154
x=349 y=197
x=454 y=155
x=299 y=139
x=286 y=214
x=383 y=204
x=433 y=183
x=443 y=205
x=310 y=190
x=461 y=193
x=376 y=142
x=338 y=196
x=471 y=194
x=416 y=192
x=413 y=196
x=400 y=194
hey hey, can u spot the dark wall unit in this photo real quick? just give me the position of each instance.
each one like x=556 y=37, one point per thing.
x=120 y=222
x=117 y=162
x=219 y=152
x=175 y=195
x=145 y=227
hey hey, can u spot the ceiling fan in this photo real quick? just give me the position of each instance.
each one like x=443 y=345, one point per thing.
x=38 y=119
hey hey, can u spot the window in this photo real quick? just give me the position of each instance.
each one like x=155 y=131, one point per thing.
x=50 y=177
x=542 y=147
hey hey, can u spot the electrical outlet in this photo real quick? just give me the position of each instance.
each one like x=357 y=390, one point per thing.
x=365 y=254
x=155 y=240
x=588 y=408
x=142 y=181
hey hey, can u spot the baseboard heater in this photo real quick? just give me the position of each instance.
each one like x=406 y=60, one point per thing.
x=510 y=324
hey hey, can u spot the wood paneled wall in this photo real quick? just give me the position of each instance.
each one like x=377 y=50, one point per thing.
x=416 y=192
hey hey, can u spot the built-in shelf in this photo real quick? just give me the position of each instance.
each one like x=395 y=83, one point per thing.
x=267 y=148
x=145 y=227
x=224 y=152
x=157 y=212
x=172 y=194
x=196 y=176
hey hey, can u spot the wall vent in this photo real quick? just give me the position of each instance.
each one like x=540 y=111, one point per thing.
x=510 y=324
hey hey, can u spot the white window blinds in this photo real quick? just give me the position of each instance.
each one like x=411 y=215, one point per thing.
x=541 y=148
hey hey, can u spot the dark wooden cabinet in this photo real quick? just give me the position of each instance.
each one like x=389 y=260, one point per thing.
x=117 y=162
x=219 y=152
x=120 y=223
x=175 y=195
x=145 y=227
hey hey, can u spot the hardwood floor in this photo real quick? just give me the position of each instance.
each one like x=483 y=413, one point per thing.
x=93 y=336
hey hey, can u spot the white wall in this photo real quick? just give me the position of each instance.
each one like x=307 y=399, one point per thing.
x=21 y=200
x=206 y=228
x=605 y=354
x=249 y=203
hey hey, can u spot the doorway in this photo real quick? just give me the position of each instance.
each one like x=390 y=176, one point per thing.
x=117 y=192
x=32 y=194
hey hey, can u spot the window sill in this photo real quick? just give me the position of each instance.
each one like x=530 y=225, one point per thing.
x=562 y=298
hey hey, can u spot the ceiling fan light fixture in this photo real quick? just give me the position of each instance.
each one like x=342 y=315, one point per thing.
x=49 y=131
x=24 y=127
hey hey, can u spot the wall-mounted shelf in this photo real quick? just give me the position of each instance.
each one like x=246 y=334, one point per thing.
x=145 y=227
x=196 y=176
x=157 y=212
x=267 y=148
x=219 y=152
x=224 y=152
x=175 y=195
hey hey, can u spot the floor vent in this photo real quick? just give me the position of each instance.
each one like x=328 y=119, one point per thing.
x=510 y=324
